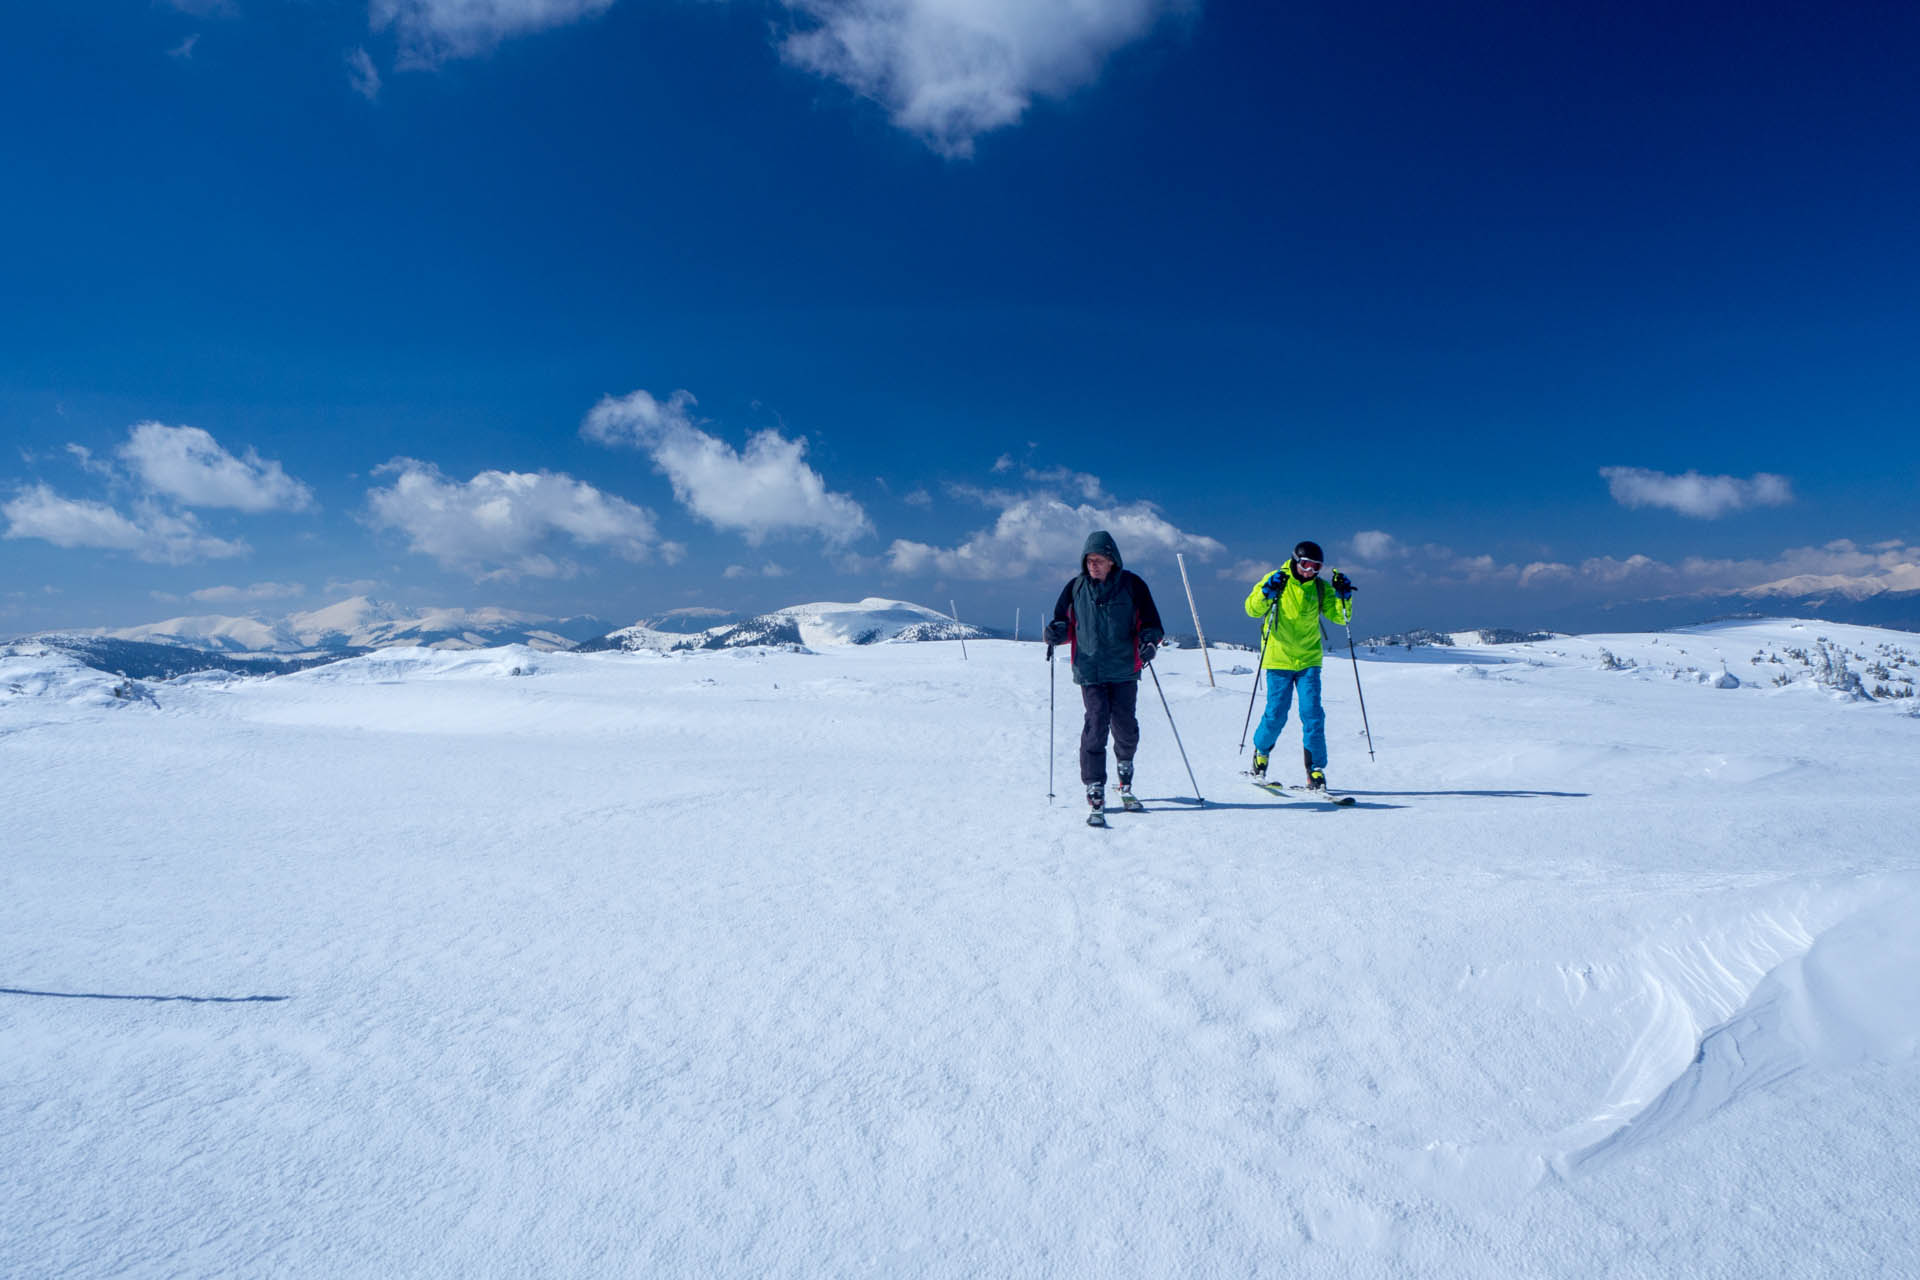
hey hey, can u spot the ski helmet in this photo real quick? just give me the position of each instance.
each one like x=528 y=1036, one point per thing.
x=1308 y=551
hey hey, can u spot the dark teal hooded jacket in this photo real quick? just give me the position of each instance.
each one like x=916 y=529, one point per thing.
x=1105 y=622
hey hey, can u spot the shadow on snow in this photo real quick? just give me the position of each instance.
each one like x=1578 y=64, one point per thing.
x=94 y=995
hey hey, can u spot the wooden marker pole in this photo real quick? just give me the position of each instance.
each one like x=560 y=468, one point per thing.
x=1191 y=608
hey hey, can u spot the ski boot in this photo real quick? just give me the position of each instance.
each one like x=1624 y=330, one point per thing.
x=1097 y=804
x=1317 y=787
x=1127 y=800
x=1259 y=767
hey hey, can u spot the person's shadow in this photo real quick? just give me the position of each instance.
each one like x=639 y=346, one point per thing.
x=1498 y=795
x=95 y=995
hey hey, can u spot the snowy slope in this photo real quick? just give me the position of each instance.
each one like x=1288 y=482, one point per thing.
x=874 y=621
x=762 y=962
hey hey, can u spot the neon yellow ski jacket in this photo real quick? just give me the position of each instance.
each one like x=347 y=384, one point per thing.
x=1291 y=635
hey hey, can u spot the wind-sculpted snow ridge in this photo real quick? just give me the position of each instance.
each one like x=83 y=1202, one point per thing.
x=1818 y=979
x=1836 y=998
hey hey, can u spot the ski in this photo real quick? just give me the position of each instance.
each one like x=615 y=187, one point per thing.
x=1130 y=803
x=1285 y=792
x=1097 y=819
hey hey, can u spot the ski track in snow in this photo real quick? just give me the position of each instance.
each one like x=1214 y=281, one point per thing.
x=758 y=962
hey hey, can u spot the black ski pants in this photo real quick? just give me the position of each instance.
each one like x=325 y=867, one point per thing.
x=1109 y=706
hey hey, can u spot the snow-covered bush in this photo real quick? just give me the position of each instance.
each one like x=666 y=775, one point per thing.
x=1830 y=669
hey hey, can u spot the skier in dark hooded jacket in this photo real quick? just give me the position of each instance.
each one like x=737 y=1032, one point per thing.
x=1107 y=615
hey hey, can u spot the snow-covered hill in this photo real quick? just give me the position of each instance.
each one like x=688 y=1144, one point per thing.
x=816 y=626
x=782 y=962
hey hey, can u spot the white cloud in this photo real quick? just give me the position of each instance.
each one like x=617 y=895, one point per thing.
x=1541 y=572
x=1372 y=546
x=432 y=31
x=767 y=570
x=244 y=595
x=184 y=49
x=189 y=466
x=765 y=489
x=1249 y=571
x=151 y=533
x=494 y=524
x=1692 y=494
x=947 y=71
x=951 y=70
x=918 y=498
x=1042 y=530
x=83 y=456
x=363 y=75
x=1840 y=566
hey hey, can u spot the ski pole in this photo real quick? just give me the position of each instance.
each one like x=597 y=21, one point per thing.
x=1258 y=657
x=1176 y=734
x=1049 y=724
x=1357 y=689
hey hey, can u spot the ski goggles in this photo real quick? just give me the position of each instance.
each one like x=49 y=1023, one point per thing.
x=1306 y=566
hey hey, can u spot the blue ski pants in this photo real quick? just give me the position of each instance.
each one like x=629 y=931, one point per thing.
x=1313 y=717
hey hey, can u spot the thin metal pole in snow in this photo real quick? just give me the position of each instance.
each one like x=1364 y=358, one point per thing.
x=1176 y=734
x=1049 y=724
x=1016 y=623
x=1259 y=655
x=1357 y=689
x=1196 y=617
x=955 y=615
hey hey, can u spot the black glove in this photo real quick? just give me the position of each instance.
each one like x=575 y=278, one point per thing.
x=1342 y=585
x=1056 y=632
x=1273 y=584
x=1147 y=651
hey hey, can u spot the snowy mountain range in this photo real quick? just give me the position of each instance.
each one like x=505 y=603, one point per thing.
x=822 y=625
x=362 y=623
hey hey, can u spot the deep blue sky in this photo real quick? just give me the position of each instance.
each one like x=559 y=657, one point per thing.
x=1399 y=277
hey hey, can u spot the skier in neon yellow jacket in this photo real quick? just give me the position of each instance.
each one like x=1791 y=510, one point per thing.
x=1292 y=599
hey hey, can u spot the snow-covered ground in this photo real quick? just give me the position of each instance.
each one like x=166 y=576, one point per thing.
x=781 y=963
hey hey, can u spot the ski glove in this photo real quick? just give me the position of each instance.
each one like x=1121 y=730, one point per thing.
x=1057 y=631
x=1275 y=583
x=1342 y=585
x=1147 y=651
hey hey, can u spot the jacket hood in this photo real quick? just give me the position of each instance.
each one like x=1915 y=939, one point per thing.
x=1101 y=542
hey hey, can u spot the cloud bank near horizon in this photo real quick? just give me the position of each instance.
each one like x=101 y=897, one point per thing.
x=1043 y=527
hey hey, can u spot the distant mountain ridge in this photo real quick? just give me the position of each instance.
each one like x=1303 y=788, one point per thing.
x=874 y=620
x=358 y=624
